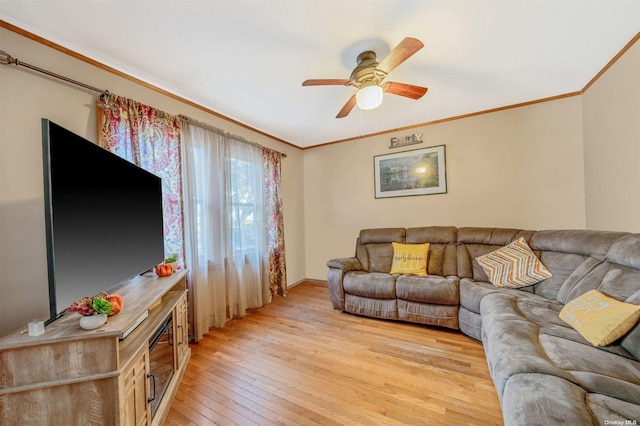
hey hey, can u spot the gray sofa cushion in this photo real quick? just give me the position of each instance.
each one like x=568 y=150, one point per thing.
x=380 y=257
x=561 y=266
x=626 y=251
x=432 y=234
x=618 y=281
x=611 y=410
x=631 y=342
x=472 y=292
x=382 y=235
x=374 y=250
x=470 y=323
x=423 y=313
x=617 y=275
x=584 y=242
x=370 y=284
x=431 y=289
x=511 y=342
x=533 y=399
x=370 y=307
x=594 y=370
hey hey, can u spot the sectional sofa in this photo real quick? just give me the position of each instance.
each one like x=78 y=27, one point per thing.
x=545 y=369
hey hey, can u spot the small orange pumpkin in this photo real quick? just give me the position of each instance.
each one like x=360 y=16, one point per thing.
x=117 y=302
x=164 y=270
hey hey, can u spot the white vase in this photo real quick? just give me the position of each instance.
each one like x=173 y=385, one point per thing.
x=92 y=321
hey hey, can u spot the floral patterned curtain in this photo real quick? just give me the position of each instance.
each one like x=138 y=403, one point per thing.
x=150 y=139
x=274 y=221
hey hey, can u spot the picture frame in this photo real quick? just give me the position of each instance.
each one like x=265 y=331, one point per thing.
x=408 y=173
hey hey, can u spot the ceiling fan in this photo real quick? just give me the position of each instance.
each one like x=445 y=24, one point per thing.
x=368 y=75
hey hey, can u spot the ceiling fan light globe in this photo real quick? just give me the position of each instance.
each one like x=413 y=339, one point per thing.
x=369 y=97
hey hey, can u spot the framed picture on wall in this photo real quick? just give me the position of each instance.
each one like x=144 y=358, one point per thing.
x=415 y=172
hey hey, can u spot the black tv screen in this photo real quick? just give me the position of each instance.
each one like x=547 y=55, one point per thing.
x=103 y=218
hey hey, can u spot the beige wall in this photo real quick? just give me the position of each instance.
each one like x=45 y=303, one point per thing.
x=521 y=168
x=612 y=146
x=26 y=97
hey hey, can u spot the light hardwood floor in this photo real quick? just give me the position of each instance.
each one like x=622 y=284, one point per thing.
x=299 y=362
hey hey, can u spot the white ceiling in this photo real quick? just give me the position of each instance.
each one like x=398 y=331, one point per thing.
x=246 y=60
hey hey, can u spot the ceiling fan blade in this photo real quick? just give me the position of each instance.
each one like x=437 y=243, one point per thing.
x=325 y=82
x=406 y=90
x=346 y=109
x=400 y=53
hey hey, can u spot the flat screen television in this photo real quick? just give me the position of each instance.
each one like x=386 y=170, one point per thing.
x=103 y=218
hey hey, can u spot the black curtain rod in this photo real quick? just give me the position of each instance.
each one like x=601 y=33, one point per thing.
x=6 y=59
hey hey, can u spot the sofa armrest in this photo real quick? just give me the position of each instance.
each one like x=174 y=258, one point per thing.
x=345 y=264
x=335 y=278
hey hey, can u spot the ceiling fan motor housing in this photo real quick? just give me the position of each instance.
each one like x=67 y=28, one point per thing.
x=365 y=73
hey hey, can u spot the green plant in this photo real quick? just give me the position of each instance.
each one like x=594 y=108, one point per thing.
x=172 y=258
x=101 y=306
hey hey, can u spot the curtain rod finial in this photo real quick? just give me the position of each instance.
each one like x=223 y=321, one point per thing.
x=6 y=59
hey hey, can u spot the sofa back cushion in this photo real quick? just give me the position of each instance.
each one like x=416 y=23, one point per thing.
x=625 y=251
x=442 y=258
x=374 y=249
x=475 y=242
x=569 y=254
x=617 y=274
x=631 y=342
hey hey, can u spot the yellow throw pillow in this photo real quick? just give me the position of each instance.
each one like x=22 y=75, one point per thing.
x=410 y=259
x=514 y=265
x=599 y=318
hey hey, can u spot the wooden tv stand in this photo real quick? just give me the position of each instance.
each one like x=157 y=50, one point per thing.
x=72 y=376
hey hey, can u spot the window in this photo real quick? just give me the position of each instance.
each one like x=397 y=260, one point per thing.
x=245 y=199
x=240 y=208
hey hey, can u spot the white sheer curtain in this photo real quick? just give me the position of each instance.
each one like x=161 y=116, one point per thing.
x=224 y=230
